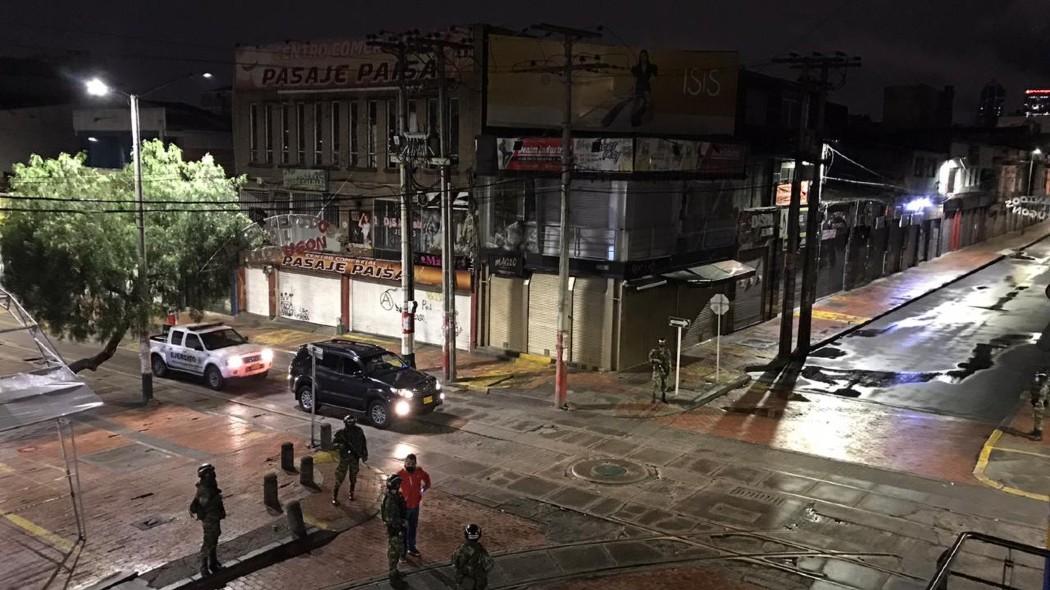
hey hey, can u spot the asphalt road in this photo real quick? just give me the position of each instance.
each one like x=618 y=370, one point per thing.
x=966 y=350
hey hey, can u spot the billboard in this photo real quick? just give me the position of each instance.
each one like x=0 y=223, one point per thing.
x=543 y=154
x=643 y=90
x=334 y=64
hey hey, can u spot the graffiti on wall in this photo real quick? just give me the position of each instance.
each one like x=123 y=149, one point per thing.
x=287 y=308
x=428 y=308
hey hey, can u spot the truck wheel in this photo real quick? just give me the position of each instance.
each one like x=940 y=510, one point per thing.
x=306 y=398
x=159 y=367
x=213 y=378
x=379 y=414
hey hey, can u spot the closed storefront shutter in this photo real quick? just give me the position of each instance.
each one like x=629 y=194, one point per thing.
x=747 y=303
x=588 y=321
x=832 y=266
x=309 y=298
x=376 y=309
x=507 y=301
x=543 y=314
x=257 y=286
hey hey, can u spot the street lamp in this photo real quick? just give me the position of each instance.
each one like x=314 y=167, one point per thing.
x=1031 y=167
x=96 y=87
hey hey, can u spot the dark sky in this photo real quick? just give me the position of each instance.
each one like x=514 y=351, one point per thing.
x=938 y=42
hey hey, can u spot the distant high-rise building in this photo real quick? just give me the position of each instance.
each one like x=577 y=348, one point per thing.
x=990 y=105
x=1037 y=102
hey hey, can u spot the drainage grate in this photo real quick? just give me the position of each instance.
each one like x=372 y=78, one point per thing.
x=750 y=494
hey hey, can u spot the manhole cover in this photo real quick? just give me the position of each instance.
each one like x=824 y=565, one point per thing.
x=610 y=471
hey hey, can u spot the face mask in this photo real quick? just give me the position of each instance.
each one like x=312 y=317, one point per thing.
x=410 y=469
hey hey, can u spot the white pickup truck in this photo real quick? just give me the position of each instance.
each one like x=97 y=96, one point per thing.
x=215 y=351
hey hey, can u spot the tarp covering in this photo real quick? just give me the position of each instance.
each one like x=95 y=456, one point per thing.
x=44 y=394
x=706 y=275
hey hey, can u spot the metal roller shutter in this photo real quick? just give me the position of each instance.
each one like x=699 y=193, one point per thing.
x=309 y=298
x=543 y=314
x=588 y=321
x=257 y=289
x=747 y=303
x=506 y=305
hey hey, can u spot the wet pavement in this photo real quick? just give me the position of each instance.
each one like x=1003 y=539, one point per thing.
x=966 y=350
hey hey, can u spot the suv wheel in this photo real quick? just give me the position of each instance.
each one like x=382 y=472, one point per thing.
x=159 y=367
x=306 y=398
x=213 y=378
x=379 y=414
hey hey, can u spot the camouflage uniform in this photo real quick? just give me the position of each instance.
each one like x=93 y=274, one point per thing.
x=352 y=448
x=660 y=359
x=472 y=564
x=1040 y=391
x=208 y=508
x=393 y=512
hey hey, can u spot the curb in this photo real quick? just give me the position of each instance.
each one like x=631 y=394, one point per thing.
x=958 y=278
x=719 y=391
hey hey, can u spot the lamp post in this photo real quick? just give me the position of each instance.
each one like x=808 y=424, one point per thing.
x=1031 y=168
x=96 y=87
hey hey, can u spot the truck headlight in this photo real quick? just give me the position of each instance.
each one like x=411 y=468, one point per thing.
x=437 y=385
x=402 y=408
x=267 y=355
x=234 y=362
x=406 y=393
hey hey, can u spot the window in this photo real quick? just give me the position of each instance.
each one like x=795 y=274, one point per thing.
x=318 y=134
x=432 y=116
x=373 y=134
x=300 y=134
x=268 y=134
x=253 y=133
x=336 y=133
x=391 y=131
x=286 y=133
x=920 y=166
x=413 y=117
x=453 y=129
x=384 y=363
x=193 y=341
x=351 y=135
x=333 y=362
x=176 y=337
x=222 y=338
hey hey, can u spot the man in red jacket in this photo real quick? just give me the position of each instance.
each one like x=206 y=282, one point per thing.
x=414 y=483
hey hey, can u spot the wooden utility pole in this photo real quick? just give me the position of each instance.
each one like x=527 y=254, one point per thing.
x=813 y=151
x=569 y=37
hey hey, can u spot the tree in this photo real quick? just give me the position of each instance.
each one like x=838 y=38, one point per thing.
x=69 y=242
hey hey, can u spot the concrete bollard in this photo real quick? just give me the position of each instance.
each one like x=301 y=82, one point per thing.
x=288 y=457
x=270 y=491
x=306 y=471
x=295 y=519
x=326 y=436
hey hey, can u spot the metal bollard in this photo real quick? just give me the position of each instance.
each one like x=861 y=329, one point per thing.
x=326 y=436
x=288 y=457
x=306 y=471
x=295 y=518
x=270 y=491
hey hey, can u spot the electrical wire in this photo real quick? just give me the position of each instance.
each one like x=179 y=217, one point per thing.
x=858 y=164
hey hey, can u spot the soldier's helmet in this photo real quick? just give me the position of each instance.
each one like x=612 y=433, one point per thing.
x=661 y=341
x=349 y=420
x=393 y=482
x=1040 y=377
x=206 y=469
x=472 y=532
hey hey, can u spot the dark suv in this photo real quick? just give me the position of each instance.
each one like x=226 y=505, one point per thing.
x=364 y=379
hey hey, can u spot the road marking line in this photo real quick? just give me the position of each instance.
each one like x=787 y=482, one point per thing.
x=1022 y=452
x=40 y=532
x=982 y=464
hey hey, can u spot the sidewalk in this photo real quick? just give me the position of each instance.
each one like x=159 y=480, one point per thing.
x=1013 y=462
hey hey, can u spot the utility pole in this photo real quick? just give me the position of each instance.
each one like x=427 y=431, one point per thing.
x=569 y=36
x=143 y=268
x=787 y=309
x=810 y=269
x=395 y=44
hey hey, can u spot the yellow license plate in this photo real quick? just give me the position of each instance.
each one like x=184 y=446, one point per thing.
x=428 y=399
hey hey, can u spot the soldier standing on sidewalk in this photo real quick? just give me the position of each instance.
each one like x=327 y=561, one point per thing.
x=393 y=512
x=352 y=448
x=660 y=359
x=471 y=561
x=1040 y=390
x=208 y=508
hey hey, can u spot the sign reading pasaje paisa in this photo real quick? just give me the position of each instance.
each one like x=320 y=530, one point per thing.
x=646 y=90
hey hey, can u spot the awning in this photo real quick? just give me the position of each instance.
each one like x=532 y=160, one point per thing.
x=706 y=275
x=38 y=396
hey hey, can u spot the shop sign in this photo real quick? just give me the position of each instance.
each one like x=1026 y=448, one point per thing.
x=755 y=227
x=507 y=265
x=608 y=154
x=297 y=233
x=358 y=267
x=434 y=260
x=655 y=154
x=306 y=179
x=784 y=193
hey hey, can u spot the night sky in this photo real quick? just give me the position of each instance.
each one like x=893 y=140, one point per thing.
x=962 y=42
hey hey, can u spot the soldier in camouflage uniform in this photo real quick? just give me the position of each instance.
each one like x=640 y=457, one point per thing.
x=1040 y=391
x=471 y=562
x=660 y=359
x=207 y=507
x=352 y=448
x=394 y=515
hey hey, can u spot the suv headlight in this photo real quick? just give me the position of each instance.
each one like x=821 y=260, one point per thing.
x=267 y=355
x=406 y=393
x=437 y=385
x=234 y=362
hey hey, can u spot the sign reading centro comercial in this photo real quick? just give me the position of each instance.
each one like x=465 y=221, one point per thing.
x=326 y=64
x=644 y=90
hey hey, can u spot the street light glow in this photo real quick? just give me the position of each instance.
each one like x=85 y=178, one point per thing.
x=1037 y=152
x=206 y=75
x=96 y=87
